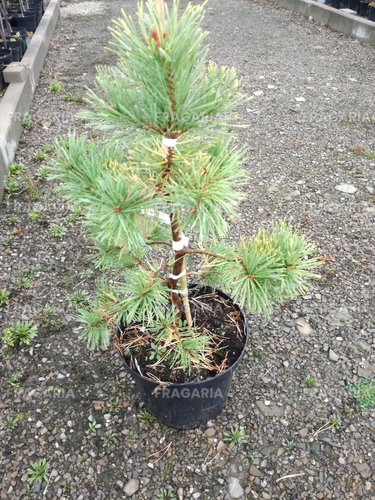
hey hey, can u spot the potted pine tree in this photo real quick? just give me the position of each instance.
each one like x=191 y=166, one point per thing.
x=159 y=190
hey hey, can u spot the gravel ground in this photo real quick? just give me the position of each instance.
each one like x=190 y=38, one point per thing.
x=310 y=129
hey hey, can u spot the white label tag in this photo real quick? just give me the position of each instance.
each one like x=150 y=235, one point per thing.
x=168 y=142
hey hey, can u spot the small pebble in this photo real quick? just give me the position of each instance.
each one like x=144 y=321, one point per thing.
x=332 y=355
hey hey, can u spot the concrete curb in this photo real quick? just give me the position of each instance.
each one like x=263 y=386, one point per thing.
x=18 y=96
x=357 y=27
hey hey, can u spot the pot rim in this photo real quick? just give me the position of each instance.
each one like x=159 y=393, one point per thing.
x=198 y=382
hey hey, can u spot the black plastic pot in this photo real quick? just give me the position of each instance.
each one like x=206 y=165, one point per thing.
x=5 y=56
x=188 y=405
x=354 y=5
x=34 y=7
x=15 y=47
x=34 y=3
x=2 y=82
x=344 y=4
x=363 y=8
x=335 y=3
x=28 y=21
x=38 y=10
x=371 y=13
x=5 y=59
x=17 y=33
x=20 y=39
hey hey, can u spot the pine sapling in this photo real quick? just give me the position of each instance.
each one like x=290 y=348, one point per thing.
x=159 y=190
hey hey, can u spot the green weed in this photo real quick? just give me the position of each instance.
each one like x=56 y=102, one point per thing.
x=364 y=394
x=236 y=436
x=21 y=333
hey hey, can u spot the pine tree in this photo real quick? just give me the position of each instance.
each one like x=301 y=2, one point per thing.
x=161 y=185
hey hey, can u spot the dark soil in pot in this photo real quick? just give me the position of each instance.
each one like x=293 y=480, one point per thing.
x=183 y=400
x=213 y=312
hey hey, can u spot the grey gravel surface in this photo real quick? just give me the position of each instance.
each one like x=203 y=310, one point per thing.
x=310 y=131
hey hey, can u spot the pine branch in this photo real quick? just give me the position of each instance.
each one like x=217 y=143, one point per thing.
x=160 y=83
x=171 y=93
x=199 y=251
x=165 y=243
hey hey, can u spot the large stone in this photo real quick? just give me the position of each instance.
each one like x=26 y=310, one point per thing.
x=131 y=487
x=221 y=447
x=98 y=405
x=37 y=485
x=270 y=409
x=254 y=471
x=210 y=432
x=340 y=317
x=303 y=432
x=363 y=469
x=333 y=356
x=365 y=369
x=304 y=327
x=235 y=489
x=346 y=188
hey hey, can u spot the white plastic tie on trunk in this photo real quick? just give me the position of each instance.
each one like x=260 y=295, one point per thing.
x=180 y=292
x=168 y=142
x=182 y=243
x=163 y=217
x=178 y=276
